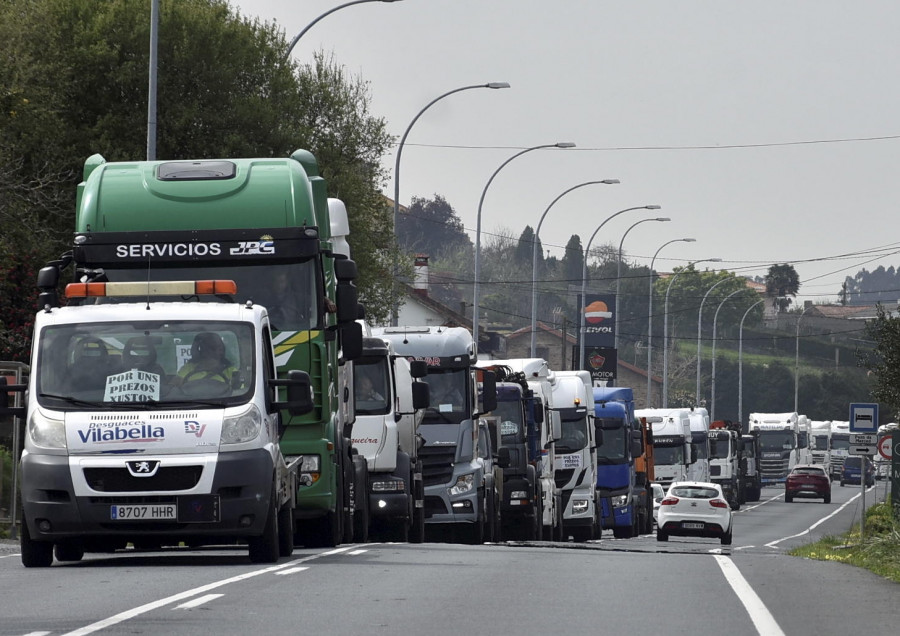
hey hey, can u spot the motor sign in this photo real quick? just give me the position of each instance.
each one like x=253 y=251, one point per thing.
x=886 y=446
x=863 y=418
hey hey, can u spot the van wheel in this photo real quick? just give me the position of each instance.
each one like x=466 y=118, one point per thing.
x=265 y=547
x=35 y=554
x=69 y=551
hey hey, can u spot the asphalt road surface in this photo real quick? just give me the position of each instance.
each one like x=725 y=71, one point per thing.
x=612 y=586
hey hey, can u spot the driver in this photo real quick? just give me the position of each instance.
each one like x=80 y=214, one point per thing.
x=208 y=361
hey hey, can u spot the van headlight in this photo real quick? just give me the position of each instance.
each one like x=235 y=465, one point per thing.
x=245 y=427
x=46 y=432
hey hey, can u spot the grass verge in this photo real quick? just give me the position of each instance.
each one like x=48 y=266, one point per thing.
x=878 y=551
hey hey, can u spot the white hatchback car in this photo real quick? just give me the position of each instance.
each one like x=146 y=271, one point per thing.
x=659 y=493
x=694 y=509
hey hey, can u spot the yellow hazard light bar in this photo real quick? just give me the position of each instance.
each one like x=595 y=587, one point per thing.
x=152 y=288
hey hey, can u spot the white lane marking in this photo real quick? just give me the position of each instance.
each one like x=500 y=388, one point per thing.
x=772 y=544
x=7 y=556
x=143 y=609
x=37 y=633
x=291 y=571
x=762 y=619
x=200 y=600
x=745 y=507
x=356 y=552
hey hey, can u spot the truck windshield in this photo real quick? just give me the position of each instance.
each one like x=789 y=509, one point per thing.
x=718 y=448
x=509 y=414
x=82 y=365
x=841 y=442
x=370 y=386
x=574 y=431
x=668 y=455
x=447 y=389
x=613 y=445
x=776 y=440
x=700 y=440
x=289 y=291
x=820 y=442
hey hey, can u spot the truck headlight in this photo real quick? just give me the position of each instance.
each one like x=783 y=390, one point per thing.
x=388 y=486
x=619 y=500
x=46 y=432
x=245 y=427
x=580 y=506
x=464 y=483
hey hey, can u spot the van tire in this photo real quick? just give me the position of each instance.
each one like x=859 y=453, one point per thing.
x=265 y=547
x=35 y=554
x=286 y=530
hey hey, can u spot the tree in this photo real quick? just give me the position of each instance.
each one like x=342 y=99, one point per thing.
x=883 y=362
x=782 y=281
x=430 y=226
x=74 y=82
x=573 y=261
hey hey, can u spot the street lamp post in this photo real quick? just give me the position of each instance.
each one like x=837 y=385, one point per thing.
x=492 y=85
x=699 y=328
x=619 y=275
x=666 y=327
x=534 y=256
x=327 y=13
x=797 y=361
x=587 y=251
x=650 y=314
x=712 y=397
x=476 y=286
x=741 y=362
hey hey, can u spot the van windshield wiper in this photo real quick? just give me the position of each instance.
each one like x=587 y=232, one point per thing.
x=68 y=399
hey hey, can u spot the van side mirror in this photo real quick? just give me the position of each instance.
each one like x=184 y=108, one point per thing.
x=299 y=393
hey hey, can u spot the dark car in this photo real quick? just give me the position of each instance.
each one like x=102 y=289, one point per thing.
x=850 y=474
x=807 y=481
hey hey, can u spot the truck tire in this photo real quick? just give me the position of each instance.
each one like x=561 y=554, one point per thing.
x=35 y=554
x=265 y=547
x=286 y=530
x=417 y=530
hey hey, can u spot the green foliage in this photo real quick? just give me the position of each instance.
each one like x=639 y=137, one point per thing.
x=782 y=281
x=73 y=82
x=869 y=288
x=431 y=227
x=883 y=362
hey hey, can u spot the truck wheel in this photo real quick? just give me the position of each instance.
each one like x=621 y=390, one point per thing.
x=286 y=530
x=622 y=533
x=417 y=531
x=69 y=551
x=35 y=554
x=661 y=536
x=265 y=547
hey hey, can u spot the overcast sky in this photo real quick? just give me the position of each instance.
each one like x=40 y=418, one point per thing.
x=766 y=130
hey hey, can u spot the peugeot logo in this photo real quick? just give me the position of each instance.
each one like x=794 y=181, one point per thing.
x=142 y=468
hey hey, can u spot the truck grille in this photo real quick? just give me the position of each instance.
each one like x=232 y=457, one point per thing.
x=563 y=477
x=437 y=464
x=165 y=479
x=774 y=468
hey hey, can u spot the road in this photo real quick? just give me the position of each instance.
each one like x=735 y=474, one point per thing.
x=627 y=586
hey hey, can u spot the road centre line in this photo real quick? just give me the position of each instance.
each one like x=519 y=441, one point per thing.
x=200 y=600
x=772 y=544
x=143 y=609
x=762 y=619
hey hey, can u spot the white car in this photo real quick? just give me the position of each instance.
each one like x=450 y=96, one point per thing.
x=659 y=494
x=694 y=509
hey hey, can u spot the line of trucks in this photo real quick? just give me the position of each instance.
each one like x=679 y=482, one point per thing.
x=207 y=379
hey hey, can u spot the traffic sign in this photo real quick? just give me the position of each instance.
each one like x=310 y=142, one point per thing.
x=859 y=449
x=866 y=439
x=885 y=446
x=863 y=418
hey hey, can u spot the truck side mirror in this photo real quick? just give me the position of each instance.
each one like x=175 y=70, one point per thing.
x=351 y=340
x=418 y=368
x=347 y=302
x=537 y=413
x=504 y=459
x=345 y=270
x=420 y=395
x=555 y=428
x=489 y=392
